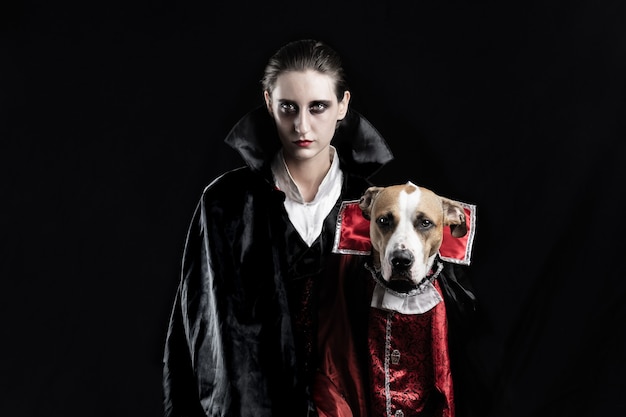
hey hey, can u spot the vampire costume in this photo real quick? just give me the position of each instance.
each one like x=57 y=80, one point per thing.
x=265 y=323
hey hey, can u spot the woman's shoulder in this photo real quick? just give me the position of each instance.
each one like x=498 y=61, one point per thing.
x=234 y=185
x=228 y=179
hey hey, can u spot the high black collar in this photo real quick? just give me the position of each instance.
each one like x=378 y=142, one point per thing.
x=362 y=149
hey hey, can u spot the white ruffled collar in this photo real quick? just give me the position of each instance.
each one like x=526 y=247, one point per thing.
x=418 y=301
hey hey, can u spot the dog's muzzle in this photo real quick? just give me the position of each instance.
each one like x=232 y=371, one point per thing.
x=401 y=261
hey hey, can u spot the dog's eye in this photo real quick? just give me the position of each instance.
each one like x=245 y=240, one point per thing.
x=383 y=221
x=424 y=224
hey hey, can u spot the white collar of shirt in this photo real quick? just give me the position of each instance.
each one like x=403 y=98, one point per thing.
x=308 y=218
x=410 y=304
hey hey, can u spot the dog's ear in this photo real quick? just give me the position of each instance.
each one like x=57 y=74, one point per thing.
x=454 y=216
x=365 y=203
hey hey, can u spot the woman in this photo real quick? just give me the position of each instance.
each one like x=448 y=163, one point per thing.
x=267 y=320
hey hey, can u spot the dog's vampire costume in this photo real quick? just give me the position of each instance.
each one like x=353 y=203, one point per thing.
x=272 y=316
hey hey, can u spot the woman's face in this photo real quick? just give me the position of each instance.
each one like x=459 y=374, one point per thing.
x=306 y=111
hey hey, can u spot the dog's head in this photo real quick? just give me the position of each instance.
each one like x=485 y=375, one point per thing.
x=406 y=229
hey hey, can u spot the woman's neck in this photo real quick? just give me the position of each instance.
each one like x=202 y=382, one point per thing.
x=309 y=174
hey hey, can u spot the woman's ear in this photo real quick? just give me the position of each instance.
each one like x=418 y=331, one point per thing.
x=268 y=101
x=343 y=105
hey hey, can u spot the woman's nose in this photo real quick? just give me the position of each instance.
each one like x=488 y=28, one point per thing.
x=302 y=124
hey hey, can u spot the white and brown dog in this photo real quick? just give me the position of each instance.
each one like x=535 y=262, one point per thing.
x=410 y=367
x=406 y=230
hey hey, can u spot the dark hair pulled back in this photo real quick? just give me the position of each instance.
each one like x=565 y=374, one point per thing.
x=302 y=55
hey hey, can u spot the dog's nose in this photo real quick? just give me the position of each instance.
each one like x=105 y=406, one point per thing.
x=401 y=258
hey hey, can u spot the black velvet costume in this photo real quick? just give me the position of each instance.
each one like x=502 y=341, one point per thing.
x=248 y=280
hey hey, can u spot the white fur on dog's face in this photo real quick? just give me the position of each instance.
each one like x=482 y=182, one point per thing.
x=404 y=237
x=406 y=228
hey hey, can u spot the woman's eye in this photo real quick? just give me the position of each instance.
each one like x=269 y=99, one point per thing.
x=288 y=108
x=318 y=108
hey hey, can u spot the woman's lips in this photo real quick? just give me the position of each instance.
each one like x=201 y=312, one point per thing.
x=303 y=143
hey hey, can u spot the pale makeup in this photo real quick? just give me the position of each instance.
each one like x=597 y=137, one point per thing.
x=306 y=111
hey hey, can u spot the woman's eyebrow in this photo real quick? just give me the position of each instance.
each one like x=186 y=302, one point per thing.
x=327 y=102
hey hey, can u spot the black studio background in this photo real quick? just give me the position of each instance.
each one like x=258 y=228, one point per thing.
x=112 y=120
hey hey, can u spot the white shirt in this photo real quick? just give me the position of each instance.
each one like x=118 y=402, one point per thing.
x=308 y=218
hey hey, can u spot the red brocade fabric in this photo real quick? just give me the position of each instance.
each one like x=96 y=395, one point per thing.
x=410 y=360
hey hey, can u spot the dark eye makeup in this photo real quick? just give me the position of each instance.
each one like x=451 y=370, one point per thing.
x=315 y=107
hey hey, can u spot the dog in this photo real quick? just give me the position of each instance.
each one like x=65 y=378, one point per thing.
x=406 y=230
x=407 y=325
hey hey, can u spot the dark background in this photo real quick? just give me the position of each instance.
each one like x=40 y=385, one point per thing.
x=112 y=120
